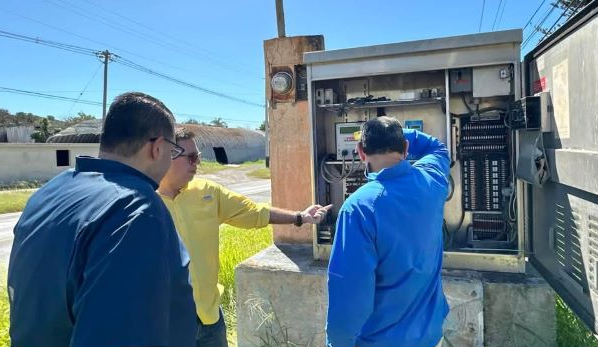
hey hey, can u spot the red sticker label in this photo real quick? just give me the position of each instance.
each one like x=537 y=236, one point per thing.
x=539 y=85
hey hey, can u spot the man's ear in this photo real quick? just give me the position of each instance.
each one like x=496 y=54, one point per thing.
x=155 y=148
x=406 y=153
x=360 y=151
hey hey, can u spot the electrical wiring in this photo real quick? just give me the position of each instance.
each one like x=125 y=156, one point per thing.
x=127 y=63
x=335 y=177
x=135 y=66
x=539 y=26
x=123 y=26
x=84 y=89
x=47 y=96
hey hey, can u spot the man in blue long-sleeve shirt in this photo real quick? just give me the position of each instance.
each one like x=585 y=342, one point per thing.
x=96 y=260
x=384 y=277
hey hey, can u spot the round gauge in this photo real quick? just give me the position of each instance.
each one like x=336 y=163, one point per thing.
x=282 y=82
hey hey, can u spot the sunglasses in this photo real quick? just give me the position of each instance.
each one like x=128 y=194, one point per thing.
x=176 y=151
x=193 y=158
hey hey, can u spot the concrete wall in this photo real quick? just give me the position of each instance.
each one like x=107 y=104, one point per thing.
x=37 y=161
x=289 y=137
x=282 y=296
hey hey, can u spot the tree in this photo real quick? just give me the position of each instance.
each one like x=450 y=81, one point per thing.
x=44 y=131
x=218 y=122
x=80 y=117
x=569 y=8
x=190 y=121
x=262 y=126
x=25 y=118
x=5 y=116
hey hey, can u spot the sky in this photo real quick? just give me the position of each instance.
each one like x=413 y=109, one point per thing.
x=212 y=45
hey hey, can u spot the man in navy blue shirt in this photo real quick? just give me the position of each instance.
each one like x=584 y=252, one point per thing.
x=96 y=260
x=384 y=281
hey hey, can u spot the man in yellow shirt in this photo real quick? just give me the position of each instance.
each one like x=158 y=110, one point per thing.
x=198 y=207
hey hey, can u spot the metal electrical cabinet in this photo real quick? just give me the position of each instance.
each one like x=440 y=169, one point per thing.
x=457 y=89
x=562 y=214
x=524 y=171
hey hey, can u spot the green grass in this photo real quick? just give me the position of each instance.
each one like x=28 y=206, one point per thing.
x=22 y=185
x=13 y=201
x=4 y=310
x=237 y=245
x=260 y=173
x=570 y=331
x=208 y=167
x=261 y=162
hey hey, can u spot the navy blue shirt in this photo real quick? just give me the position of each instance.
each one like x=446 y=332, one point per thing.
x=384 y=281
x=96 y=261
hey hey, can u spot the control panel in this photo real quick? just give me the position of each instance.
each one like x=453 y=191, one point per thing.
x=346 y=140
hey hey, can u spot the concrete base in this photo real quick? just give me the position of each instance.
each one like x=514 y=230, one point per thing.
x=282 y=299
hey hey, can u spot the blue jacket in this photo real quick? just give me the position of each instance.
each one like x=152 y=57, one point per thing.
x=384 y=278
x=96 y=262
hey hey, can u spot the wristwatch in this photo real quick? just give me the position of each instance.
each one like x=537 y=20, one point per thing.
x=298 y=219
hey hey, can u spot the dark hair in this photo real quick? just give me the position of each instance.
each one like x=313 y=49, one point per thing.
x=132 y=120
x=382 y=135
x=183 y=133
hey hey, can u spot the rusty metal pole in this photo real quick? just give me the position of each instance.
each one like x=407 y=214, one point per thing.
x=280 y=18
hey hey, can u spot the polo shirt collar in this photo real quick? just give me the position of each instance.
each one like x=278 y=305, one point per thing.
x=390 y=172
x=91 y=164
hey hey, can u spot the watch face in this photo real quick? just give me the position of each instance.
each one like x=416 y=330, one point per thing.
x=282 y=82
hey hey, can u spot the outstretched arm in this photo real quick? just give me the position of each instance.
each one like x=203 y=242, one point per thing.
x=314 y=214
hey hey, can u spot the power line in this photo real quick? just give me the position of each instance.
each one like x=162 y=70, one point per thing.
x=558 y=19
x=105 y=21
x=84 y=89
x=136 y=33
x=539 y=26
x=214 y=57
x=482 y=16
x=62 y=46
x=548 y=32
x=142 y=68
x=168 y=91
x=496 y=15
x=129 y=64
x=96 y=103
x=145 y=57
x=533 y=15
x=501 y=13
x=48 y=96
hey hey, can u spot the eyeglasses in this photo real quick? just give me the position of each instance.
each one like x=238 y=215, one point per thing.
x=176 y=152
x=193 y=158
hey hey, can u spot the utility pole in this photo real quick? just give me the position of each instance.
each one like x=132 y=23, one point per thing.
x=106 y=56
x=280 y=18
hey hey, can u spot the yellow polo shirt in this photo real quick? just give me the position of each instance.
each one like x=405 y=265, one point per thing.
x=197 y=212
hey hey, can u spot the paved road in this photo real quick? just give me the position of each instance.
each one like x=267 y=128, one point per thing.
x=256 y=189
x=7 y=223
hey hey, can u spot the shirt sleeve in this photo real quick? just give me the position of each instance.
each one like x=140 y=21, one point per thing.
x=351 y=279
x=122 y=295
x=239 y=211
x=433 y=153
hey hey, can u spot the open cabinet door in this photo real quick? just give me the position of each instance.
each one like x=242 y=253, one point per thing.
x=562 y=213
